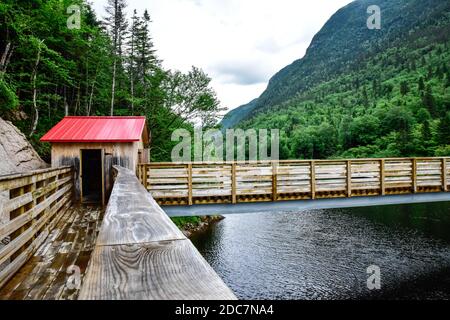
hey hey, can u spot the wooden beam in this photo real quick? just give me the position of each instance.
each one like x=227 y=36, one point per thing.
x=146 y=177
x=274 y=181
x=414 y=175
x=141 y=255
x=444 y=175
x=313 y=179
x=349 y=178
x=190 y=191
x=382 y=177
x=233 y=183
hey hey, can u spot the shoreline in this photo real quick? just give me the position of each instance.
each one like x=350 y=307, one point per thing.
x=191 y=226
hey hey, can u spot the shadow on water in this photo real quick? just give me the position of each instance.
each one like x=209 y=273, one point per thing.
x=324 y=254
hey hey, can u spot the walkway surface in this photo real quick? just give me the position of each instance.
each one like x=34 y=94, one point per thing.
x=45 y=276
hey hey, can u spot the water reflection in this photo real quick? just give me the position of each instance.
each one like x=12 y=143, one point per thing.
x=324 y=254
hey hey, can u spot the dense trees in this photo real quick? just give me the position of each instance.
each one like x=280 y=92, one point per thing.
x=384 y=108
x=48 y=70
x=381 y=93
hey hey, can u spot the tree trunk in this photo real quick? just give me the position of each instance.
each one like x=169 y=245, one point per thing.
x=132 y=93
x=91 y=95
x=113 y=86
x=66 y=105
x=33 y=81
x=6 y=56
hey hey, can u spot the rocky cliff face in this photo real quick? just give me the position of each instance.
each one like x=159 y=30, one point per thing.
x=16 y=153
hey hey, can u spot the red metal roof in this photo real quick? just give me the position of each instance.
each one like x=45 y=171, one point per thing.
x=98 y=129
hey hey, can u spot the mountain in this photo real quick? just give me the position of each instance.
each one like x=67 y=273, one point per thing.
x=343 y=42
x=349 y=69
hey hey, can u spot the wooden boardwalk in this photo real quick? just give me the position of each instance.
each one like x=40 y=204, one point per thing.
x=182 y=184
x=133 y=251
x=70 y=243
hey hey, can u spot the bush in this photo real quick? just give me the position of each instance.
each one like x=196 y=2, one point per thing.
x=8 y=99
x=443 y=151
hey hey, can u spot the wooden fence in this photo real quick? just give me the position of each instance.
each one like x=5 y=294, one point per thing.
x=207 y=183
x=30 y=206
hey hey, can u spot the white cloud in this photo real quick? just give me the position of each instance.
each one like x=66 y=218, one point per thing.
x=239 y=43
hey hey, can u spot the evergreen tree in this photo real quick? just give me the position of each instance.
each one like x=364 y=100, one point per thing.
x=421 y=86
x=428 y=100
x=132 y=71
x=404 y=89
x=426 y=132
x=145 y=53
x=117 y=26
x=443 y=131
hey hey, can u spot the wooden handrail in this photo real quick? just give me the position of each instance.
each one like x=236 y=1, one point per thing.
x=233 y=182
x=30 y=205
x=141 y=255
x=156 y=164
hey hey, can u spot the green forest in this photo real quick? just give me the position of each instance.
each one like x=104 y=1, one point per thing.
x=107 y=66
x=364 y=93
x=356 y=93
x=357 y=115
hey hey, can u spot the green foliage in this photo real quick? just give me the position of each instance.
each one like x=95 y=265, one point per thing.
x=8 y=99
x=74 y=75
x=181 y=222
x=443 y=130
x=443 y=151
x=386 y=97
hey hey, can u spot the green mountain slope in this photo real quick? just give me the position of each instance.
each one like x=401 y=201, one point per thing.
x=361 y=92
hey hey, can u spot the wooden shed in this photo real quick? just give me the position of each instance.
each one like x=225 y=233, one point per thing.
x=92 y=145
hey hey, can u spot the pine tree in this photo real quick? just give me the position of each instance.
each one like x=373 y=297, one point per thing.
x=428 y=100
x=421 y=85
x=426 y=131
x=404 y=88
x=443 y=130
x=145 y=53
x=135 y=22
x=117 y=26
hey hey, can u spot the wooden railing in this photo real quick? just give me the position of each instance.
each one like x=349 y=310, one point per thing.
x=30 y=206
x=203 y=183
x=141 y=255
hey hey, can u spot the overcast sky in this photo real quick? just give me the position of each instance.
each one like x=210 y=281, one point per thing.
x=239 y=43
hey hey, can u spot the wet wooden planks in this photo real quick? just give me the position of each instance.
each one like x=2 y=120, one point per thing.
x=70 y=243
x=141 y=255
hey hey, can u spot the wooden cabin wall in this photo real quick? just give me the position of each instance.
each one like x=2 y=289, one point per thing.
x=123 y=154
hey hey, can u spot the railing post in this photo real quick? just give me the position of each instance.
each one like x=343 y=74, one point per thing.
x=140 y=174
x=145 y=177
x=444 y=175
x=313 y=180
x=349 y=178
x=382 y=177
x=414 y=175
x=190 y=192
x=274 y=181
x=233 y=183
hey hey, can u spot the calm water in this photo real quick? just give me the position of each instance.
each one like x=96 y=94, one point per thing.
x=324 y=254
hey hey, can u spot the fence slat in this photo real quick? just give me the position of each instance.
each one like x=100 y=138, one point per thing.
x=34 y=201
